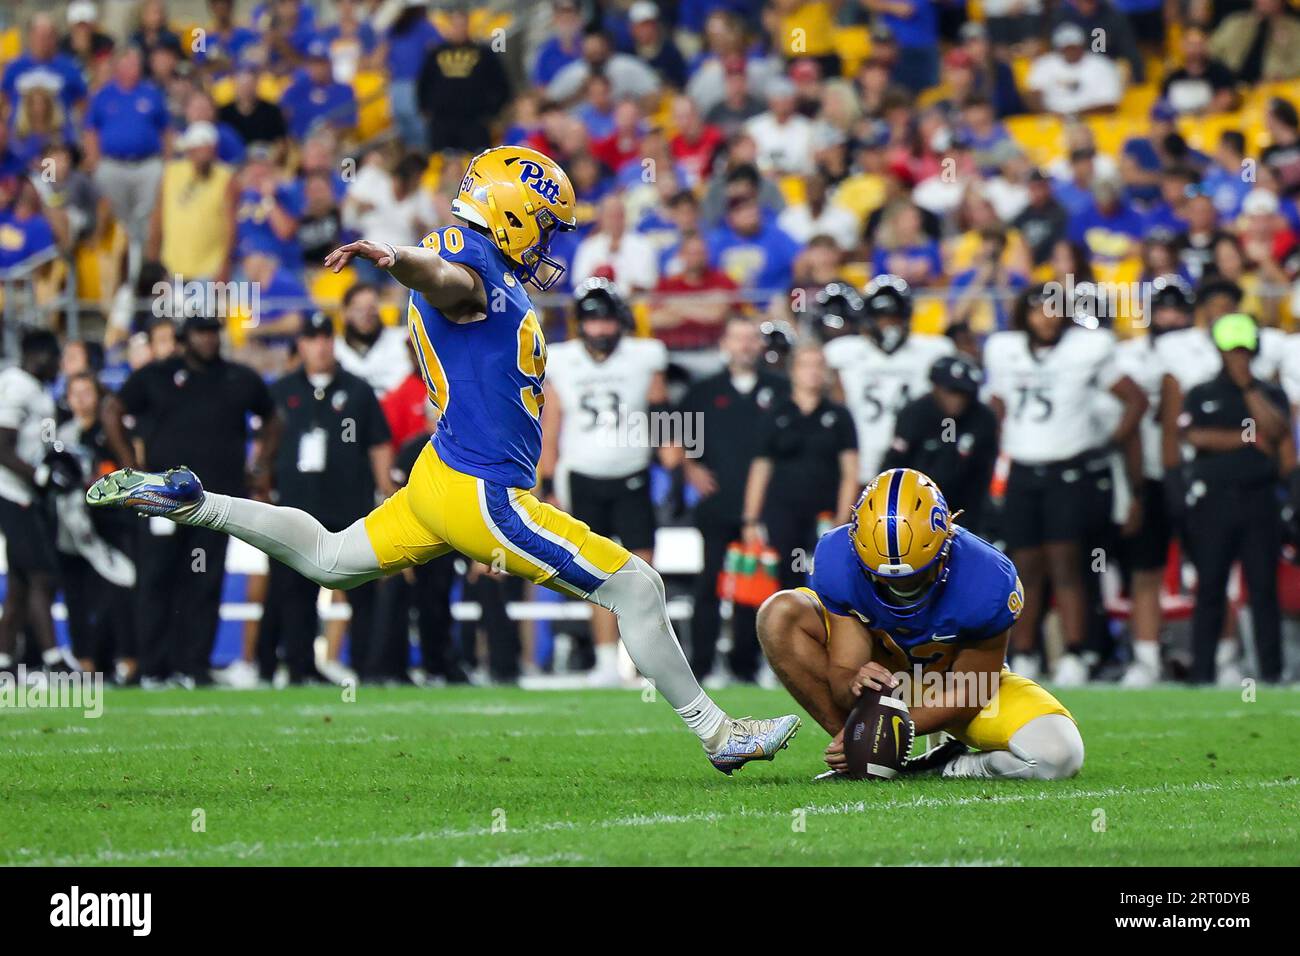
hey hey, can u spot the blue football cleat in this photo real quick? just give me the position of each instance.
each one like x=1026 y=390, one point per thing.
x=147 y=493
x=754 y=739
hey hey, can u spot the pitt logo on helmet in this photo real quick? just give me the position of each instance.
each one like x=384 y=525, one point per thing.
x=520 y=198
x=902 y=533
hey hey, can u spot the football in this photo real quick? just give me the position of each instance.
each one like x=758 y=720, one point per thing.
x=878 y=736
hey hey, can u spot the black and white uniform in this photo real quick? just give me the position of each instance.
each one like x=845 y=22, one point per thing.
x=1192 y=358
x=878 y=384
x=603 y=472
x=1139 y=359
x=1050 y=430
x=27 y=408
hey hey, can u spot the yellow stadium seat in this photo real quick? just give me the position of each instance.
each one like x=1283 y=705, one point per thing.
x=792 y=190
x=1204 y=132
x=1138 y=100
x=326 y=288
x=1040 y=136
x=856 y=274
x=1111 y=131
x=11 y=44
x=373 y=114
x=853 y=44
x=1020 y=67
x=390 y=313
x=930 y=317
x=975 y=10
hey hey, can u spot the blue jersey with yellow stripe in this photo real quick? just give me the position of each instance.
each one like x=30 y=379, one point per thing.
x=980 y=598
x=485 y=377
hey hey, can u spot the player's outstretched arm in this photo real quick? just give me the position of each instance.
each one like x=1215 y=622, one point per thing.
x=453 y=289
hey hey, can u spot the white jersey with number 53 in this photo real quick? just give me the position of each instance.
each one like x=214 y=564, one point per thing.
x=1049 y=394
x=596 y=401
x=877 y=384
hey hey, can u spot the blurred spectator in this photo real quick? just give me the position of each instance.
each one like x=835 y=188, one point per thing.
x=315 y=98
x=1259 y=44
x=1042 y=222
x=199 y=108
x=698 y=298
x=192 y=223
x=390 y=206
x=1071 y=79
x=631 y=79
x=24 y=231
x=254 y=119
x=369 y=349
x=84 y=41
x=268 y=210
x=1098 y=19
x=914 y=27
x=41 y=55
x=152 y=30
x=615 y=252
x=68 y=197
x=407 y=41
x=749 y=246
x=993 y=76
x=351 y=41
x=127 y=131
x=1202 y=84
x=1223 y=181
x=463 y=87
x=782 y=136
x=737 y=105
x=653 y=46
x=817 y=215
x=596 y=109
x=321 y=228
x=39 y=120
x=904 y=249
x=1282 y=155
x=278 y=308
x=562 y=45
x=219 y=43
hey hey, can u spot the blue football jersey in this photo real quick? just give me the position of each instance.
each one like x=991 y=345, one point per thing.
x=485 y=377
x=981 y=597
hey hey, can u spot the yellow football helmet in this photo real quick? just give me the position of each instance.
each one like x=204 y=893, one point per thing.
x=520 y=197
x=902 y=533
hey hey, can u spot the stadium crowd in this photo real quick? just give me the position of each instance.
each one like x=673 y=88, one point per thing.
x=834 y=225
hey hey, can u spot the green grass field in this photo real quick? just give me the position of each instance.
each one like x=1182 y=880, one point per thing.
x=503 y=777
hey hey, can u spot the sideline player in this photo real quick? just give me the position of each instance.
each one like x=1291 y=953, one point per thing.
x=482 y=356
x=882 y=369
x=901 y=588
x=600 y=389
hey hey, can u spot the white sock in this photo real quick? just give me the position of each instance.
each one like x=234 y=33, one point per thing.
x=707 y=719
x=6 y=662
x=51 y=655
x=606 y=657
x=635 y=593
x=1147 y=653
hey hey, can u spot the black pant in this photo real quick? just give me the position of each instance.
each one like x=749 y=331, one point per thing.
x=179 y=599
x=792 y=534
x=101 y=619
x=290 y=622
x=502 y=633
x=1227 y=525
x=430 y=597
x=706 y=618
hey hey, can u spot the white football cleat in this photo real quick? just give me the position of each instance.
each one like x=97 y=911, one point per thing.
x=1138 y=676
x=1070 y=671
x=238 y=675
x=1026 y=665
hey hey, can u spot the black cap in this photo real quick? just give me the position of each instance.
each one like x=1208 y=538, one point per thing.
x=958 y=373
x=318 y=323
x=200 y=323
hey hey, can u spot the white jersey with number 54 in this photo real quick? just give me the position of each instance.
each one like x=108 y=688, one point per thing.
x=877 y=384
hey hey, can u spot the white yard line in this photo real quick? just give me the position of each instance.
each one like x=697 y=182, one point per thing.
x=245 y=851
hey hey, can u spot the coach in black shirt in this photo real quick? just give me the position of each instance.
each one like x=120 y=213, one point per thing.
x=1240 y=428
x=724 y=410
x=951 y=436
x=334 y=454
x=197 y=410
x=806 y=471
